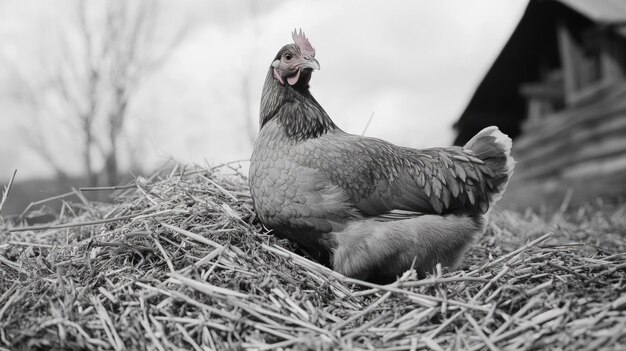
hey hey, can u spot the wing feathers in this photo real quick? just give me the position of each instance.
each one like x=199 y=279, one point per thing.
x=380 y=177
x=454 y=189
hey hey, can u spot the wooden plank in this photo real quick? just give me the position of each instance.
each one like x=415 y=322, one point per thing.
x=577 y=137
x=549 y=165
x=522 y=194
x=567 y=52
x=602 y=167
x=559 y=124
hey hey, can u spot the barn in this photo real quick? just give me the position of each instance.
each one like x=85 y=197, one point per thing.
x=558 y=87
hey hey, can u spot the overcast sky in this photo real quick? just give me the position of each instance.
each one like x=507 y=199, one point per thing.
x=413 y=64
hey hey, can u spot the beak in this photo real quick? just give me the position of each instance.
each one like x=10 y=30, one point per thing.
x=308 y=62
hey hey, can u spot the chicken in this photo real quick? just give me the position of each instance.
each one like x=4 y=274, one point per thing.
x=365 y=207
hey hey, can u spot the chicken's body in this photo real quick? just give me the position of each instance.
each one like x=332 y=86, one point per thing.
x=369 y=208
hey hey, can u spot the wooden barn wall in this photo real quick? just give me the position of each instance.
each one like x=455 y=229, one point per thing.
x=576 y=143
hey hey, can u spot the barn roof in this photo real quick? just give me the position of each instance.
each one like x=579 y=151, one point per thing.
x=531 y=50
x=600 y=11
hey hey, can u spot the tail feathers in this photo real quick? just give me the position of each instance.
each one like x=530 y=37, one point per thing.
x=494 y=148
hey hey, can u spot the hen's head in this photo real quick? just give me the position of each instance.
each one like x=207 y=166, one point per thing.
x=294 y=62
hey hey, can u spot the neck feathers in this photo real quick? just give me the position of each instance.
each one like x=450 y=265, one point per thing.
x=295 y=109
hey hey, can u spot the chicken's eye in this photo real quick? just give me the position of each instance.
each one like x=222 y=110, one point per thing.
x=287 y=56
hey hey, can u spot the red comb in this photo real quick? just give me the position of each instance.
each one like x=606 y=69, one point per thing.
x=303 y=43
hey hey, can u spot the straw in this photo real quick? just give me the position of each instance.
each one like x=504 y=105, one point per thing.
x=179 y=261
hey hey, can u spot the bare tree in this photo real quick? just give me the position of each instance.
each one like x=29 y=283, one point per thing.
x=250 y=107
x=35 y=135
x=104 y=55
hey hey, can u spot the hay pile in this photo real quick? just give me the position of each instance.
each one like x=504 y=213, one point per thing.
x=180 y=262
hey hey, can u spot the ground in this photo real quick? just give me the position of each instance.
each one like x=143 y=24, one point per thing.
x=180 y=261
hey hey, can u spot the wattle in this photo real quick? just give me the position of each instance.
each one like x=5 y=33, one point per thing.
x=294 y=79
